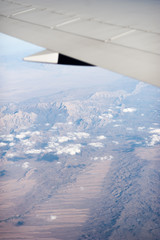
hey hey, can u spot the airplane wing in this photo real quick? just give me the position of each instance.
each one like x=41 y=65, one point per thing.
x=120 y=35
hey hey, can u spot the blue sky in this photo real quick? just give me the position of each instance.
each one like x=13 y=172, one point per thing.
x=21 y=80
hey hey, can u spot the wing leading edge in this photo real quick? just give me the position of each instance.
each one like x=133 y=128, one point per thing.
x=121 y=36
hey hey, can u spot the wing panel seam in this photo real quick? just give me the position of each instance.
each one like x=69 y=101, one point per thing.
x=24 y=11
x=82 y=36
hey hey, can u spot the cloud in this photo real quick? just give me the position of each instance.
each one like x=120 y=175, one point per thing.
x=110 y=157
x=115 y=142
x=71 y=149
x=35 y=133
x=2 y=144
x=28 y=143
x=63 y=139
x=52 y=217
x=141 y=128
x=154 y=139
x=23 y=134
x=48 y=150
x=116 y=125
x=157 y=131
x=70 y=137
x=10 y=155
x=129 y=129
x=54 y=128
x=58 y=163
x=20 y=136
x=129 y=110
x=34 y=151
x=8 y=137
x=106 y=158
x=96 y=144
x=25 y=165
x=101 y=137
x=95 y=158
x=156 y=124
x=52 y=144
x=11 y=144
x=82 y=134
x=105 y=116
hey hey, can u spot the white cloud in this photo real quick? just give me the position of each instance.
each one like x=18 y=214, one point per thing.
x=71 y=149
x=96 y=144
x=100 y=117
x=156 y=124
x=154 y=139
x=8 y=137
x=11 y=144
x=141 y=128
x=54 y=128
x=52 y=144
x=70 y=136
x=110 y=157
x=10 y=155
x=23 y=134
x=52 y=217
x=115 y=142
x=82 y=134
x=105 y=116
x=106 y=158
x=109 y=115
x=34 y=151
x=101 y=137
x=129 y=129
x=126 y=110
x=63 y=139
x=35 y=133
x=20 y=136
x=28 y=143
x=2 y=144
x=116 y=125
x=95 y=158
x=25 y=165
x=157 y=131
x=48 y=150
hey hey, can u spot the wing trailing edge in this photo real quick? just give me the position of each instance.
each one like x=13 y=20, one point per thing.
x=47 y=56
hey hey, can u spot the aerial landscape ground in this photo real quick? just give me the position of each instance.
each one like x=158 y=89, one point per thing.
x=81 y=165
x=78 y=160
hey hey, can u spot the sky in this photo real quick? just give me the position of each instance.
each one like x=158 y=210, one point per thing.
x=20 y=80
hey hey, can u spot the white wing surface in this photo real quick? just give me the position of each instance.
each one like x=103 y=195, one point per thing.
x=120 y=35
